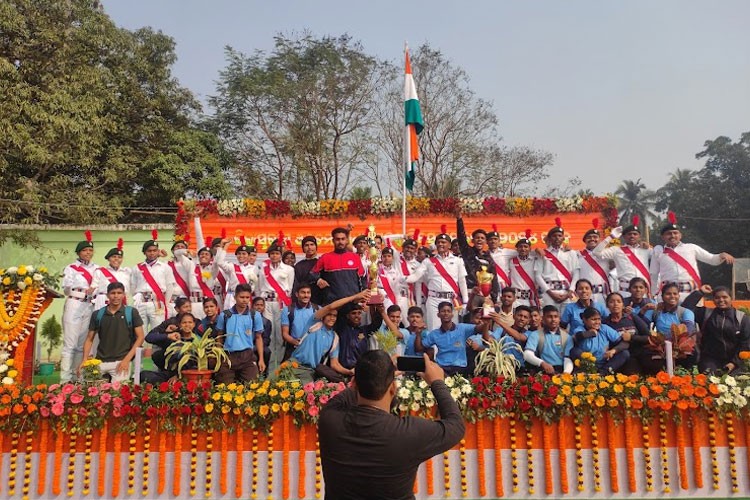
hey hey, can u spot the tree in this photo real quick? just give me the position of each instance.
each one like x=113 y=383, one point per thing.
x=634 y=199
x=92 y=120
x=460 y=150
x=679 y=185
x=51 y=332
x=297 y=119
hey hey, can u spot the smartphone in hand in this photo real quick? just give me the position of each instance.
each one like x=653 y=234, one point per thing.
x=411 y=364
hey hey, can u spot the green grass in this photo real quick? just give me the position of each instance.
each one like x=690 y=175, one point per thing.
x=147 y=364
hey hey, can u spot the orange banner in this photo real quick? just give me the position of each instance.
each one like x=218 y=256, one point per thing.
x=510 y=228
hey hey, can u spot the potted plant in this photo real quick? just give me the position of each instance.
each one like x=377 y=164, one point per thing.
x=496 y=360
x=198 y=351
x=51 y=334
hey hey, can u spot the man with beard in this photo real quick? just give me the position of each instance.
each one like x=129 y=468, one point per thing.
x=339 y=273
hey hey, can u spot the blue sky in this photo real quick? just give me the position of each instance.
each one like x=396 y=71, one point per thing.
x=615 y=89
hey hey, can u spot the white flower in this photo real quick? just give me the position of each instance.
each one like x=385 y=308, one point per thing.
x=403 y=407
x=422 y=384
x=29 y=269
x=467 y=388
x=455 y=393
x=7 y=381
x=746 y=392
x=38 y=277
x=3 y=368
x=449 y=382
x=736 y=391
x=730 y=381
x=714 y=379
x=4 y=354
x=417 y=396
x=415 y=406
x=21 y=285
x=740 y=401
x=12 y=270
x=409 y=384
x=403 y=393
x=722 y=388
x=429 y=403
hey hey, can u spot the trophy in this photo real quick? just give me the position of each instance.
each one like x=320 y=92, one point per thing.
x=484 y=280
x=376 y=298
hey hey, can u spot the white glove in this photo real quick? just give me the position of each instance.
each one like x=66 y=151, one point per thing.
x=616 y=232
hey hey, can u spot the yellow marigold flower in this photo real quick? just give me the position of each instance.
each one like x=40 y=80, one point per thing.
x=9 y=362
x=225 y=409
x=294 y=385
x=299 y=394
x=579 y=388
x=618 y=388
x=42 y=269
x=590 y=398
x=567 y=377
x=299 y=406
x=239 y=400
x=249 y=396
x=261 y=390
x=12 y=373
x=556 y=379
x=6 y=281
x=285 y=394
x=227 y=397
x=566 y=390
x=209 y=407
x=622 y=378
x=285 y=406
x=575 y=401
x=603 y=384
x=560 y=399
x=249 y=410
x=254 y=385
x=232 y=386
x=600 y=401
x=28 y=280
x=577 y=362
x=281 y=383
x=275 y=407
x=263 y=410
x=216 y=396
x=21 y=270
x=580 y=377
x=591 y=388
x=273 y=393
x=610 y=379
x=613 y=403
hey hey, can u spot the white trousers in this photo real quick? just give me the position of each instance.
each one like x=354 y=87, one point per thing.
x=273 y=313
x=76 y=319
x=110 y=367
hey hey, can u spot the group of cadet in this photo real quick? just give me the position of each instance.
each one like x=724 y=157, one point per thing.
x=552 y=302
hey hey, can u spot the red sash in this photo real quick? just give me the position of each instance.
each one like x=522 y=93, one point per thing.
x=502 y=274
x=107 y=274
x=204 y=288
x=447 y=277
x=406 y=272
x=84 y=272
x=596 y=267
x=669 y=252
x=637 y=263
x=179 y=280
x=283 y=296
x=146 y=272
x=558 y=265
x=240 y=277
x=526 y=278
x=388 y=288
x=222 y=282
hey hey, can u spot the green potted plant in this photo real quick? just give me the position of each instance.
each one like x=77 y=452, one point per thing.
x=51 y=334
x=199 y=350
x=496 y=361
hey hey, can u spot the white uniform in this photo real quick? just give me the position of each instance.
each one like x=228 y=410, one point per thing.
x=502 y=258
x=103 y=277
x=398 y=286
x=235 y=273
x=439 y=290
x=195 y=274
x=181 y=267
x=284 y=277
x=599 y=283
x=664 y=269
x=524 y=292
x=145 y=298
x=414 y=290
x=76 y=315
x=624 y=267
x=548 y=277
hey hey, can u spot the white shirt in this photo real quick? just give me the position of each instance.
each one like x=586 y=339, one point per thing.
x=625 y=268
x=429 y=274
x=502 y=257
x=587 y=271
x=75 y=279
x=665 y=269
x=249 y=271
x=282 y=273
x=123 y=275
x=395 y=277
x=528 y=265
x=161 y=273
x=188 y=267
x=546 y=270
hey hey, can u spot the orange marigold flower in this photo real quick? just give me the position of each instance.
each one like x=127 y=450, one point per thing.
x=713 y=389
x=662 y=377
x=645 y=392
x=652 y=403
x=26 y=399
x=657 y=389
x=701 y=392
x=31 y=408
x=613 y=403
x=636 y=404
x=708 y=401
x=687 y=390
x=666 y=405
x=700 y=379
x=17 y=409
x=682 y=404
x=673 y=394
x=5 y=399
x=744 y=355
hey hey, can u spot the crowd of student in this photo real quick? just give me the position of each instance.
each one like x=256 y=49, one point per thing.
x=553 y=303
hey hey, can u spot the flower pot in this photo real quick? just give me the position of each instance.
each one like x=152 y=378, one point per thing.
x=46 y=369
x=197 y=376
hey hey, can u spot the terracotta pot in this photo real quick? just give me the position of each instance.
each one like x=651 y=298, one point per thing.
x=197 y=376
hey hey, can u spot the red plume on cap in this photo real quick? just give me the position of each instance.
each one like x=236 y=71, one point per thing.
x=672 y=217
x=558 y=222
x=444 y=229
x=223 y=233
x=528 y=234
x=494 y=227
x=242 y=241
x=87 y=234
x=289 y=243
x=636 y=220
x=120 y=244
x=281 y=238
x=424 y=240
x=595 y=222
x=416 y=234
x=208 y=241
x=256 y=243
x=186 y=238
x=154 y=234
x=388 y=242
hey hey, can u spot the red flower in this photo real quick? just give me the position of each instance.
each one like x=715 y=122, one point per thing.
x=144 y=398
x=198 y=409
x=473 y=402
x=185 y=410
x=546 y=402
x=537 y=387
x=553 y=391
x=486 y=403
x=498 y=389
x=192 y=386
x=524 y=406
x=164 y=387
x=151 y=412
x=494 y=205
x=523 y=390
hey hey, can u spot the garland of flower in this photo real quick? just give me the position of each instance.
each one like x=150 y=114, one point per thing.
x=629 y=454
x=663 y=449
x=177 y=479
x=497 y=441
x=254 y=487
x=224 y=462
x=546 y=446
x=731 y=443
x=102 y=461
x=285 y=458
x=446 y=474
x=647 y=457
x=513 y=454
x=27 y=465
x=697 y=459
x=529 y=459
x=131 y=463
x=146 y=457
x=462 y=463
x=429 y=477
x=269 y=462
x=301 y=465
x=480 y=458
x=56 y=470
x=318 y=468
x=563 y=455
x=682 y=460
x=2 y=438
x=239 y=466
x=71 y=463
x=209 y=463
x=13 y=465
x=41 y=485
x=88 y=439
x=579 y=456
x=712 y=444
x=612 y=451
x=161 y=479
x=193 y=459
x=595 y=455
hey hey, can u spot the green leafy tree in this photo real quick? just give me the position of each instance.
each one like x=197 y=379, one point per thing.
x=634 y=199
x=91 y=119
x=51 y=333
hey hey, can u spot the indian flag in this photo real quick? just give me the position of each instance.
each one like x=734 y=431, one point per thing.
x=414 y=123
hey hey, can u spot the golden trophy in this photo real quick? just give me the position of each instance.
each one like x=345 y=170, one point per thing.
x=376 y=298
x=484 y=280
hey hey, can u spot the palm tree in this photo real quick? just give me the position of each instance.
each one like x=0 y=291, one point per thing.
x=634 y=199
x=678 y=186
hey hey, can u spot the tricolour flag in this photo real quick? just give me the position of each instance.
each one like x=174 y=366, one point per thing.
x=414 y=123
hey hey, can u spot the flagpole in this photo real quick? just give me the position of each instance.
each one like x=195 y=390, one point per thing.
x=407 y=157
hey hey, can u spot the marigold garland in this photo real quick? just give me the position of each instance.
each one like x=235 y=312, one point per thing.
x=612 y=451
x=682 y=460
x=285 y=458
x=663 y=451
x=71 y=463
x=480 y=458
x=547 y=439
x=529 y=459
x=629 y=454
x=563 y=456
x=102 y=461
x=697 y=458
x=193 y=459
x=13 y=464
x=647 y=458
x=146 y=457
x=161 y=483
x=301 y=466
x=318 y=469
x=57 y=467
x=712 y=444
x=462 y=463
x=27 y=465
x=177 y=479
x=254 y=477
x=579 y=457
x=41 y=485
x=89 y=439
x=429 y=477
x=224 y=462
x=497 y=441
x=131 y=463
x=731 y=443
x=239 y=466
x=2 y=438
x=595 y=456
x=269 y=462
x=209 y=463
x=513 y=454
x=446 y=474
